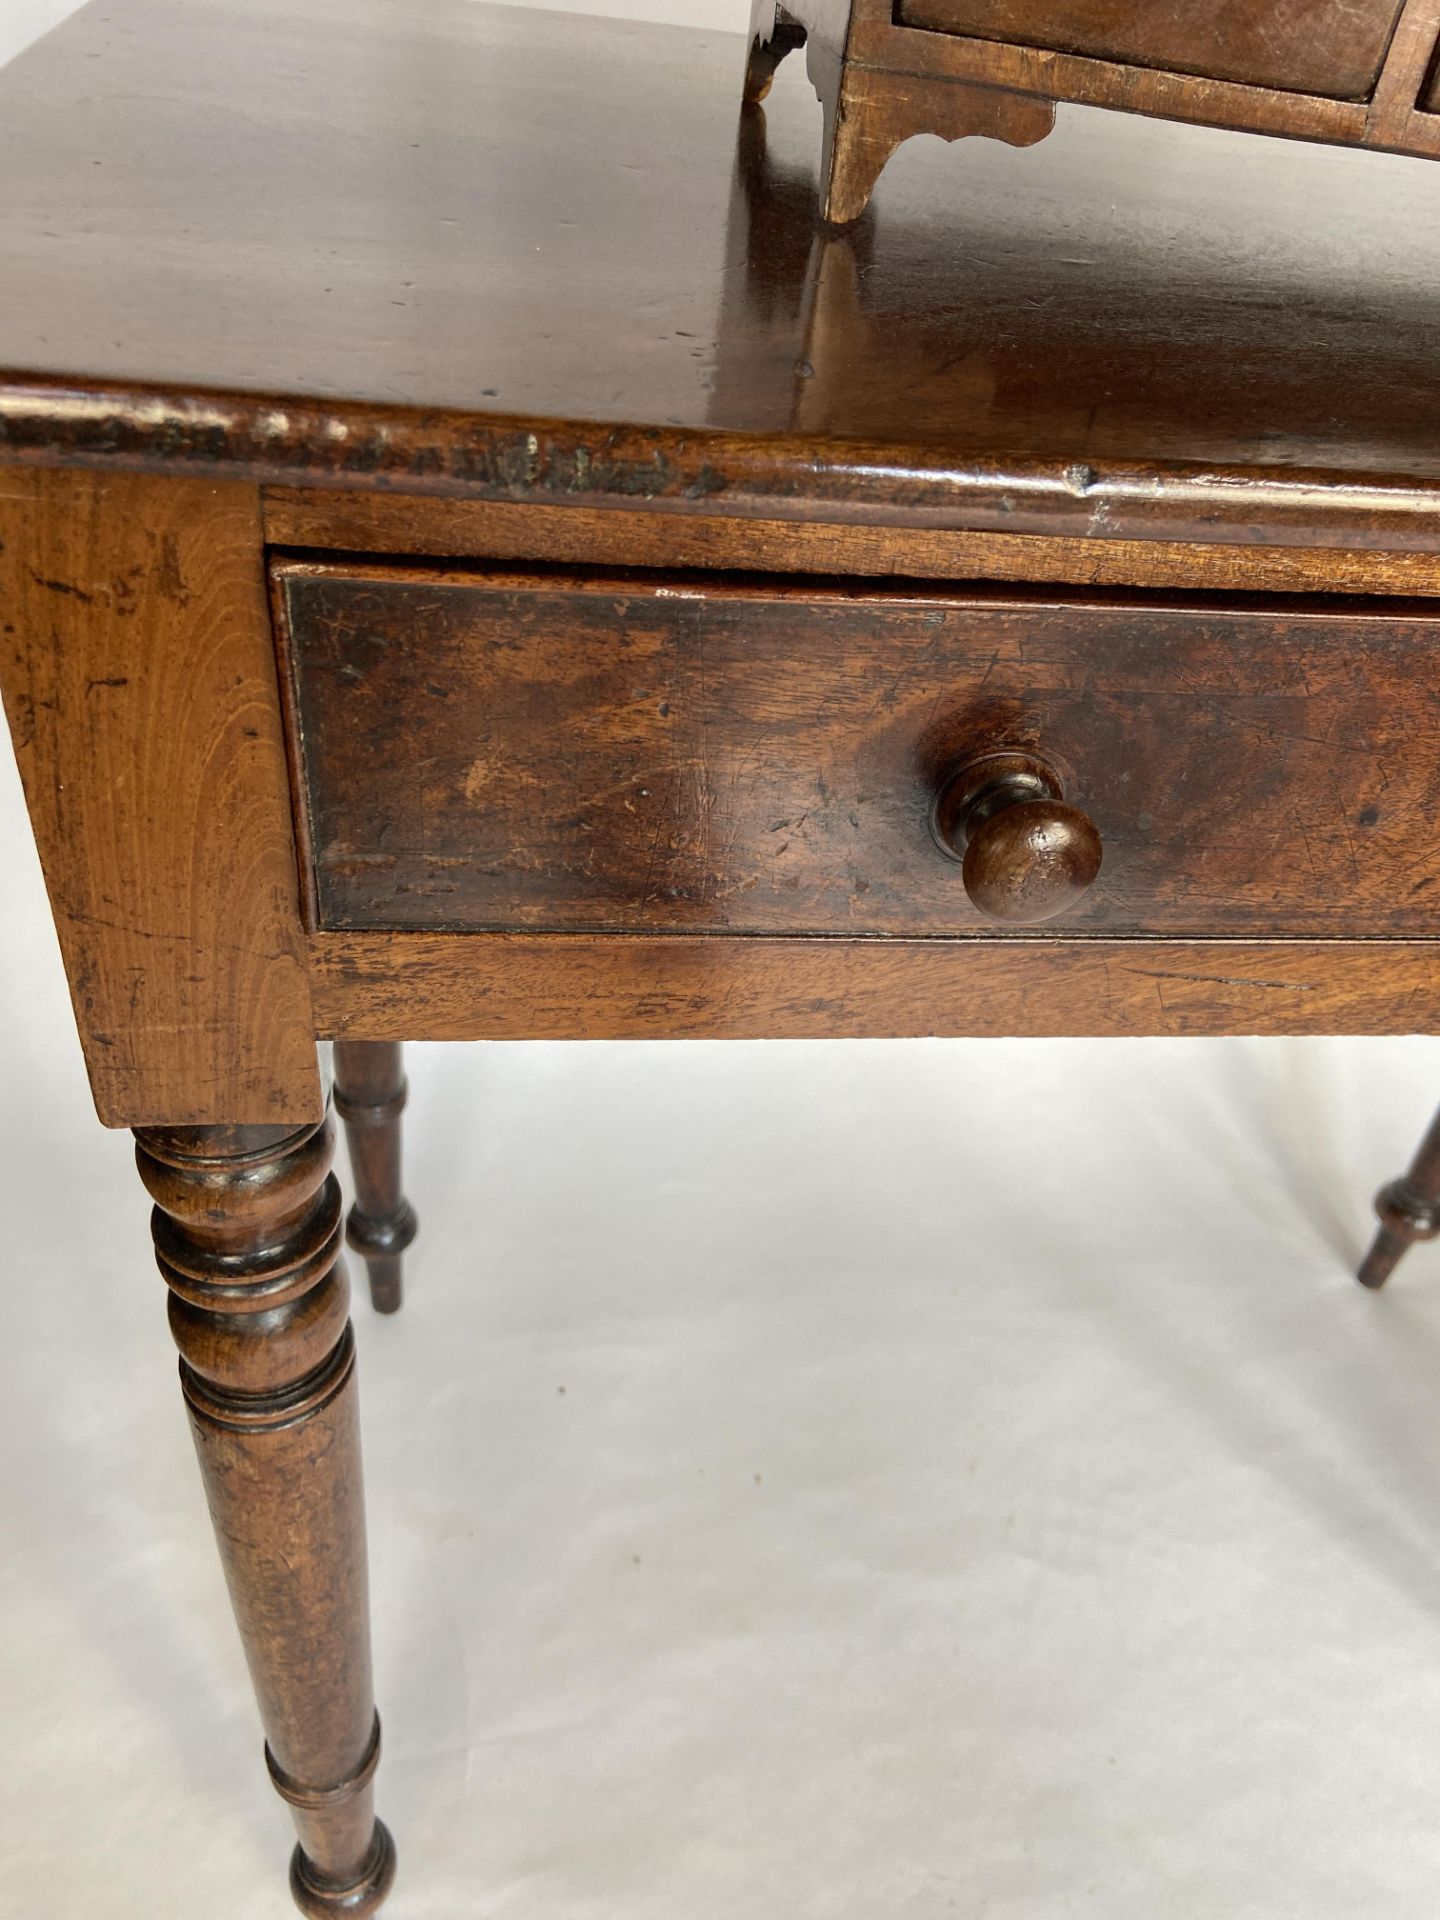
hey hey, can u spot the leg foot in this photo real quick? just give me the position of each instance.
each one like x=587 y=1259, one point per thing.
x=319 y=1900
x=773 y=34
x=1409 y=1210
x=370 y=1093
x=868 y=114
x=247 y=1236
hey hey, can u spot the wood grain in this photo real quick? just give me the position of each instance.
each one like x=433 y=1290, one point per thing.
x=649 y=559
x=567 y=987
x=868 y=115
x=370 y=523
x=862 y=481
x=611 y=754
x=1345 y=72
x=1396 y=118
x=344 y=290
x=1027 y=855
x=1332 y=47
x=247 y=1237
x=139 y=679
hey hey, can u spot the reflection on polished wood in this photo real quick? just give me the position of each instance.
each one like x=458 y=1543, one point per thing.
x=966 y=326
x=1015 y=614
x=1134 y=328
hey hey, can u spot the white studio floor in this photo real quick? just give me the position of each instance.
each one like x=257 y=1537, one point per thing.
x=846 y=1481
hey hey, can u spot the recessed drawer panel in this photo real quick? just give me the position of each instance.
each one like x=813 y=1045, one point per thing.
x=1329 y=47
x=490 y=751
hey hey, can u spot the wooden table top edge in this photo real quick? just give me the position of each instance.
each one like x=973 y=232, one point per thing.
x=342 y=444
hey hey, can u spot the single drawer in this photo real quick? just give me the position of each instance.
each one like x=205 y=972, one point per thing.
x=1329 y=47
x=490 y=751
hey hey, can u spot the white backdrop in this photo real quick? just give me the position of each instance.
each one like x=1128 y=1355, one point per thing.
x=833 y=1481
x=22 y=21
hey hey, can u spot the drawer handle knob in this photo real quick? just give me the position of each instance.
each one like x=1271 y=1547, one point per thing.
x=1027 y=853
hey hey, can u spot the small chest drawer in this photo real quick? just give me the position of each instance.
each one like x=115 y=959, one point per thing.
x=1328 y=47
x=487 y=751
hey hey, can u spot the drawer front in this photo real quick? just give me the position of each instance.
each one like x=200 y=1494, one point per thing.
x=1329 y=47
x=491 y=751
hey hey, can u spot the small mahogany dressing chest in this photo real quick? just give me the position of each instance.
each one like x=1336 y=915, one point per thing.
x=477 y=560
x=1363 y=73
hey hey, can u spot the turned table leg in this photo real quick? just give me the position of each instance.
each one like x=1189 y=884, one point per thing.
x=370 y=1094
x=247 y=1235
x=1409 y=1210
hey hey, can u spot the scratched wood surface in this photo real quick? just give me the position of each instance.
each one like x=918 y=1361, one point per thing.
x=377 y=523
x=386 y=986
x=1332 y=47
x=1132 y=328
x=690 y=753
x=139 y=679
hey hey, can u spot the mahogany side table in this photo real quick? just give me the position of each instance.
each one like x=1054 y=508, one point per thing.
x=477 y=561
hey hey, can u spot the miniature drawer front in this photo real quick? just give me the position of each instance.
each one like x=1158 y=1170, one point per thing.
x=1330 y=47
x=492 y=751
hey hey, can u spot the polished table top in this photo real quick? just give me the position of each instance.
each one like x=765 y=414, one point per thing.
x=441 y=243
x=402 y=748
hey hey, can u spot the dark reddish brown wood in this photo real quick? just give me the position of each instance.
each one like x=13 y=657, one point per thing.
x=467 y=986
x=774 y=35
x=374 y=329
x=1026 y=855
x=612 y=536
x=485 y=752
x=1333 y=47
x=138 y=669
x=1409 y=1210
x=1347 y=72
x=370 y=1095
x=247 y=1235
x=1396 y=114
x=1056 y=365
x=867 y=115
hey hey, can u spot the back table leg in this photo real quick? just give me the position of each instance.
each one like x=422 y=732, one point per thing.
x=1409 y=1210
x=370 y=1094
x=247 y=1236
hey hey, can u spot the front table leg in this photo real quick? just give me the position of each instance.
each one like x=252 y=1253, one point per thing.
x=247 y=1235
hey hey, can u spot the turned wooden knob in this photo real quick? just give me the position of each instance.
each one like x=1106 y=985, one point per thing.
x=1027 y=853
